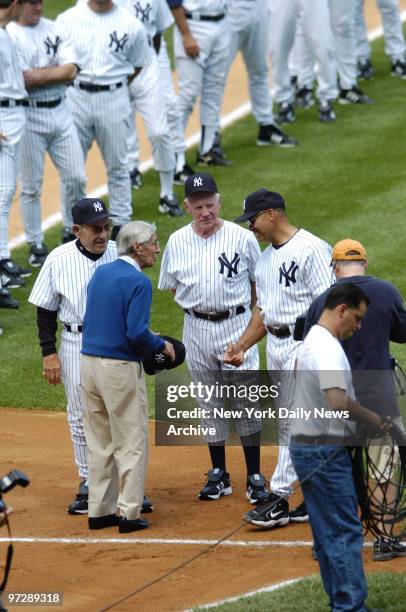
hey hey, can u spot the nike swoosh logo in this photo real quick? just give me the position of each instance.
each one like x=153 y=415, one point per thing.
x=274 y=515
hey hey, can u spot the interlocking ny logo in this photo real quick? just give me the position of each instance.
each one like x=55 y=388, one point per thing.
x=52 y=46
x=98 y=207
x=119 y=42
x=142 y=13
x=288 y=274
x=232 y=266
x=198 y=182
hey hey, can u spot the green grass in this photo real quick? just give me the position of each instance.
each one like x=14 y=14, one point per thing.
x=344 y=179
x=385 y=591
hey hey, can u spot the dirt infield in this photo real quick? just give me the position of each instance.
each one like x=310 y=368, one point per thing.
x=93 y=575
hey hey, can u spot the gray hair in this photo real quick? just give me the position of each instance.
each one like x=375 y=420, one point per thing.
x=134 y=231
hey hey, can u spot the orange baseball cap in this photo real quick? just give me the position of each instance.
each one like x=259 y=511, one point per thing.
x=348 y=250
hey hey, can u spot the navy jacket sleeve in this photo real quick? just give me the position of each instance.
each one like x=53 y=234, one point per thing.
x=314 y=313
x=138 y=320
x=398 y=327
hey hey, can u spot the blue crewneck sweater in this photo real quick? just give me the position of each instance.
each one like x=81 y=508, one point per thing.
x=116 y=323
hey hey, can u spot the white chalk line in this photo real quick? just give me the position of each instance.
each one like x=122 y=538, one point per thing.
x=226 y=121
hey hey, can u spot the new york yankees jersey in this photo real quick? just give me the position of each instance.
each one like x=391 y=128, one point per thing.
x=210 y=274
x=62 y=282
x=40 y=46
x=205 y=7
x=110 y=45
x=11 y=75
x=290 y=277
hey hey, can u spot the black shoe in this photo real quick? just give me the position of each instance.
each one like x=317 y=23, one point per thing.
x=180 y=177
x=7 y=300
x=299 y=514
x=217 y=484
x=135 y=177
x=101 y=522
x=80 y=505
x=8 y=267
x=353 y=96
x=38 y=254
x=398 y=69
x=127 y=526
x=170 y=206
x=326 y=113
x=257 y=492
x=147 y=505
x=270 y=134
x=286 y=114
x=364 y=69
x=114 y=231
x=384 y=550
x=213 y=158
x=304 y=98
x=271 y=514
x=67 y=236
x=11 y=282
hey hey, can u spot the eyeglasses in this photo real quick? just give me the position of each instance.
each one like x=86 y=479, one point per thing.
x=253 y=219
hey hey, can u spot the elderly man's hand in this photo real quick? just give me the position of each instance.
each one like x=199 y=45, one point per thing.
x=51 y=369
x=169 y=351
x=234 y=355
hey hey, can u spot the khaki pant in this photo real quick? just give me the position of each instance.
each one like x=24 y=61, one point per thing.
x=115 y=416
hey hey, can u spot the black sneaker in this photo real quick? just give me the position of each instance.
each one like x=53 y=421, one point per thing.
x=101 y=522
x=127 y=525
x=11 y=282
x=214 y=157
x=38 y=254
x=217 y=484
x=326 y=113
x=398 y=69
x=80 y=505
x=286 y=114
x=170 y=206
x=7 y=266
x=7 y=300
x=67 y=236
x=384 y=550
x=299 y=514
x=270 y=134
x=271 y=514
x=257 y=492
x=353 y=96
x=180 y=177
x=304 y=98
x=147 y=505
x=364 y=69
x=135 y=177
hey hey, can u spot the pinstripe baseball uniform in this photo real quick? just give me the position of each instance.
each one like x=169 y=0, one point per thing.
x=213 y=274
x=12 y=124
x=392 y=28
x=110 y=45
x=49 y=128
x=62 y=286
x=288 y=278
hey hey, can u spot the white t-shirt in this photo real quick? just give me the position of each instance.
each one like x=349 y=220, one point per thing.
x=321 y=364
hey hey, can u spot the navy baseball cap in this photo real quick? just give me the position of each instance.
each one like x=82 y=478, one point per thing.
x=89 y=210
x=258 y=201
x=155 y=362
x=200 y=182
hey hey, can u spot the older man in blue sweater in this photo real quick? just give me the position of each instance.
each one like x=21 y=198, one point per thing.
x=116 y=336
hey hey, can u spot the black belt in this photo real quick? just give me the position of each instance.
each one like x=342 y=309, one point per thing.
x=279 y=332
x=94 y=88
x=70 y=327
x=320 y=440
x=8 y=103
x=45 y=103
x=215 y=316
x=198 y=17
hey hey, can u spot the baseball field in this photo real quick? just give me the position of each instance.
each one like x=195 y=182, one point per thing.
x=346 y=179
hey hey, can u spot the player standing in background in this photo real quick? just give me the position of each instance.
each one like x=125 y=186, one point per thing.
x=201 y=69
x=13 y=102
x=112 y=46
x=48 y=66
x=209 y=265
x=249 y=25
x=394 y=39
x=291 y=272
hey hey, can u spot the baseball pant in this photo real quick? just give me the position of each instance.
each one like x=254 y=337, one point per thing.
x=12 y=125
x=205 y=343
x=105 y=117
x=69 y=355
x=392 y=28
x=52 y=130
x=116 y=421
x=173 y=113
x=281 y=356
